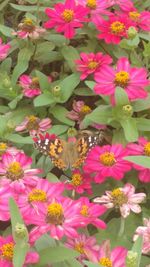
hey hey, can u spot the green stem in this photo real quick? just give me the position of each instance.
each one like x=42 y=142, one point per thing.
x=122 y=227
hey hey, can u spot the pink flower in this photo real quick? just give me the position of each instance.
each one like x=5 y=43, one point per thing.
x=65 y=17
x=4 y=50
x=140 y=19
x=59 y=217
x=31 y=86
x=142 y=148
x=5 y=194
x=7 y=251
x=116 y=257
x=79 y=183
x=85 y=245
x=89 y=212
x=107 y=161
x=4 y=147
x=124 y=5
x=92 y=63
x=123 y=199
x=132 y=80
x=28 y=29
x=34 y=125
x=15 y=172
x=144 y=231
x=43 y=192
x=113 y=29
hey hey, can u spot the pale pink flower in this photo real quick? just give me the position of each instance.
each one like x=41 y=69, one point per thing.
x=85 y=245
x=141 y=148
x=66 y=17
x=107 y=161
x=144 y=231
x=132 y=80
x=16 y=172
x=92 y=63
x=30 y=86
x=34 y=125
x=28 y=29
x=112 y=258
x=7 y=250
x=4 y=50
x=79 y=183
x=4 y=147
x=5 y=195
x=125 y=199
x=124 y=5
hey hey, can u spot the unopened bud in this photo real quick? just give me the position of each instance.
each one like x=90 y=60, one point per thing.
x=131 y=260
x=56 y=90
x=72 y=132
x=132 y=32
x=127 y=110
x=21 y=231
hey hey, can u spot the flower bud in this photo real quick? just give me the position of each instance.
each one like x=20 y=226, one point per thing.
x=127 y=110
x=56 y=91
x=132 y=32
x=21 y=231
x=71 y=132
x=6 y=82
x=131 y=260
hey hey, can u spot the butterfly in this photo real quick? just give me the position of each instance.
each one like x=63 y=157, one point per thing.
x=70 y=154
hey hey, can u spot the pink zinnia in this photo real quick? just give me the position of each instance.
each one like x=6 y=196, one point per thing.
x=92 y=63
x=140 y=19
x=65 y=17
x=85 y=245
x=34 y=125
x=132 y=80
x=107 y=161
x=124 y=5
x=30 y=86
x=142 y=148
x=4 y=147
x=4 y=49
x=5 y=195
x=15 y=171
x=79 y=183
x=144 y=231
x=112 y=258
x=7 y=251
x=113 y=29
x=123 y=199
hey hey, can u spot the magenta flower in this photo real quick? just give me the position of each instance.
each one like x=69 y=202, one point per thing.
x=34 y=125
x=132 y=80
x=116 y=257
x=107 y=161
x=124 y=5
x=4 y=147
x=113 y=29
x=15 y=172
x=85 y=245
x=123 y=199
x=92 y=63
x=65 y=17
x=43 y=192
x=89 y=212
x=5 y=194
x=7 y=251
x=140 y=19
x=4 y=50
x=144 y=231
x=79 y=183
x=30 y=86
x=142 y=148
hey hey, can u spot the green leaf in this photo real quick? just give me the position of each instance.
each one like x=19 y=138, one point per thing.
x=141 y=104
x=70 y=54
x=15 y=213
x=44 y=100
x=121 y=97
x=90 y=84
x=49 y=57
x=6 y=30
x=15 y=101
x=3 y=4
x=60 y=113
x=57 y=39
x=84 y=92
x=18 y=139
x=143 y=124
x=27 y=8
x=137 y=247
x=43 y=80
x=58 y=129
x=68 y=85
x=6 y=65
x=90 y=264
x=139 y=160
x=43 y=50
x=20 y=251
x=130 y=129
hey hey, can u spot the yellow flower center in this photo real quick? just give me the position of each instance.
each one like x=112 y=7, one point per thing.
x=117 y=27
x=85 y=109
x=134 y=15
x=147 y=149
x=107 y=159
x=119 y=198
x=55 y=214
x=122 y=78
x=92 y=65
x=91 y=4
x=68 y=15
x=14 y=171
x=76 y=179
x=7 y=251
x=35 y=82
x=27 y=25
x=84 y=211
x=79 y=247
x=28 y=21
x=105 y=262
x=37 y=195
x=3 y=147
x=33 y=123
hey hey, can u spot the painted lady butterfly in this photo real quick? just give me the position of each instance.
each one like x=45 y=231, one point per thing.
x=70 y=154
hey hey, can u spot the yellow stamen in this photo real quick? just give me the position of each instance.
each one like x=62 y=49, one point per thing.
x=105 y=262
x=33 y=123
x=3 y=147
x=28 y=21
x=147 y=149
x=119 y=198
x=76 y=179
x=37 y=195
x=107 y=159
x=117 y=27
x=55 y=214
x=15 y=171
x=7 y=251
x=35 y=82
x=92 y=65
x=68 y=15
x=91 y=4
x=85 y=109
x=122 y=78
x=135 y=16
x=79 y=247
x=84 y=211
